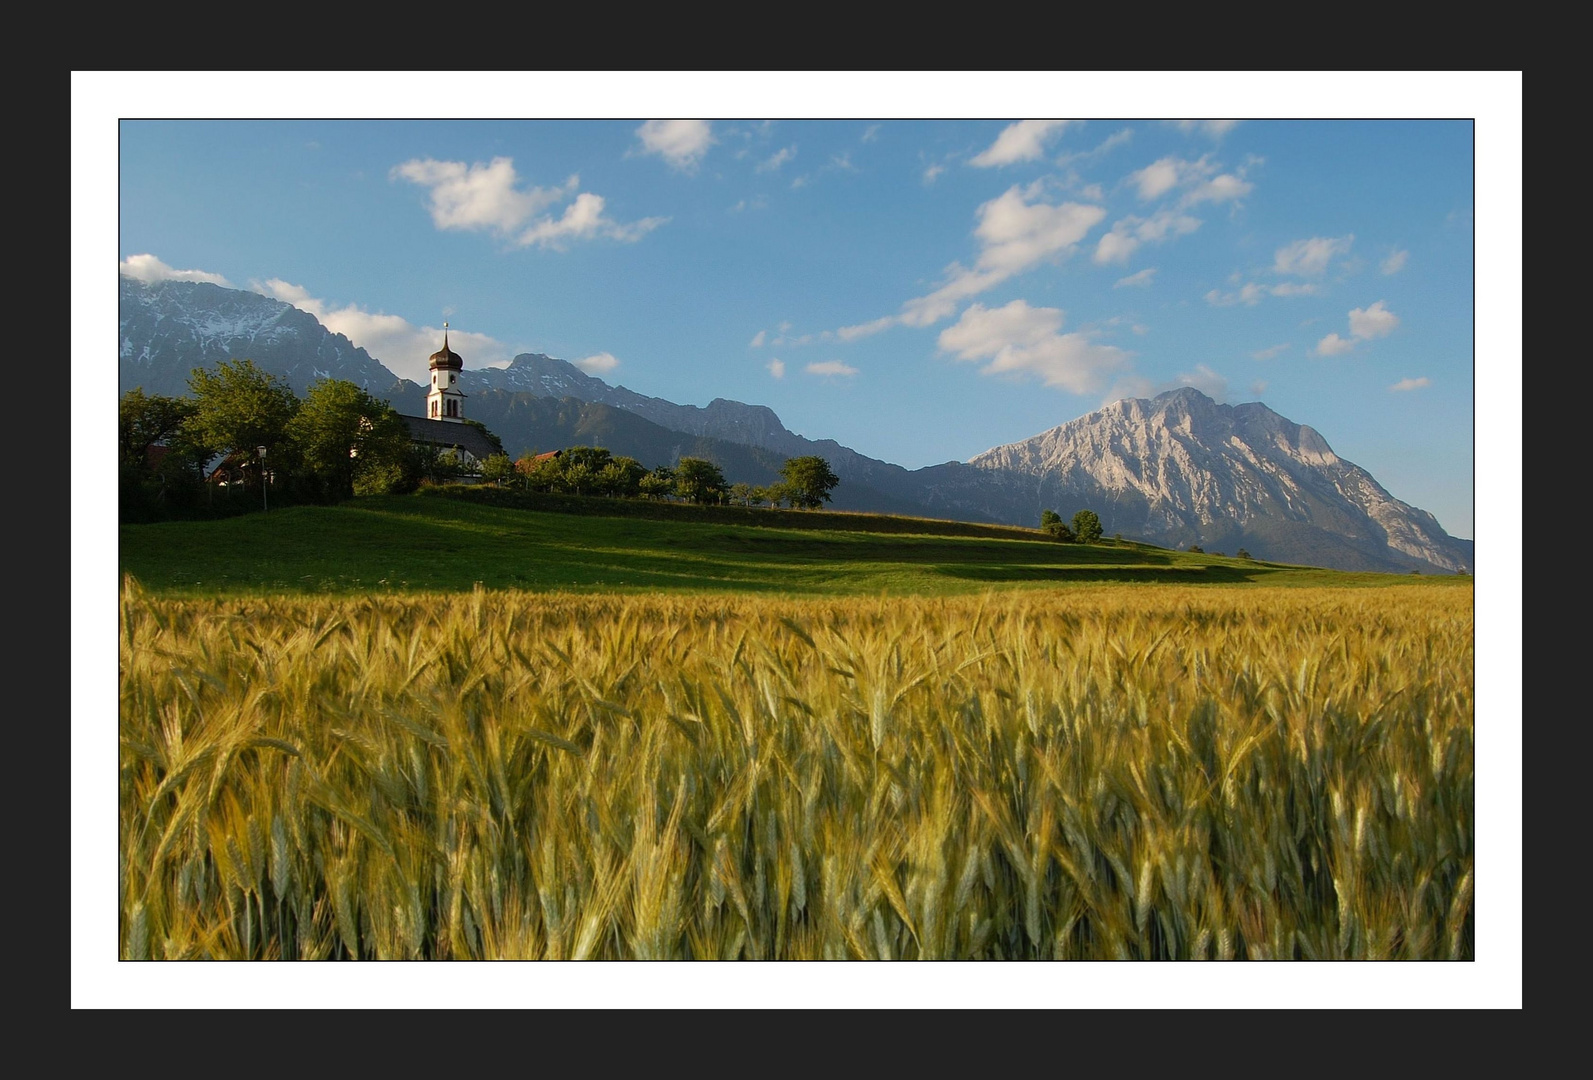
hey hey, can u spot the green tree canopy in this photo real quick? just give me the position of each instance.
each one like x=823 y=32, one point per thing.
x=809 y=481
x=1052 y=525
x=344 y=436
x=1087 y=526
x=149 y=419
x=238 y=407
x=699 y=480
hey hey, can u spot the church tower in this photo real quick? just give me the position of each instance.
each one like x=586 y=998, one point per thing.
x=445 y=402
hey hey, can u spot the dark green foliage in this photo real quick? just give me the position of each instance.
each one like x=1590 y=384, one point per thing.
x=238 y=407
x=657 y=483
x=700 y=481
x=1242 y=553
x=348 y=441
x=1052 y=525
x=1196 y=549
x=160 y=468
x=1087 y=526
x=808 y=481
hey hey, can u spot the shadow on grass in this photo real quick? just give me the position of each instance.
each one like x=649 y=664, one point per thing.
x=1207 y=575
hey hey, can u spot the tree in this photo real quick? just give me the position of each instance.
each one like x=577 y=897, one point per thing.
x=1052 y=525
x=538 y=473
x=1087 y=526
x=658 y=483
x=699 y=480
x=809 y=481
x=497 y=470
x=349 y=441
x=238 y=407
x=621 y=478
x=1242 y=554
x=741 y=493
x=160 y=466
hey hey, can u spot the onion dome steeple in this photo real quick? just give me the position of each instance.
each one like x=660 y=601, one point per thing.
x=445 y=402
x=445 y=358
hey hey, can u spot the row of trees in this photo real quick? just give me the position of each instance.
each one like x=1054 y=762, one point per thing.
x=335 y=442
x=1086 y=527
x=338 y=441
x=806 y=482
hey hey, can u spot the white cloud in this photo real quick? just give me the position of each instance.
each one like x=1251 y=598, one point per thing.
x=1258 y=387
x=1142 y=277
x=584 y=220
x=757 y=340
x=597 y=363
x=827 y=367
x=773 y=163
x=403 y=348
x=479 y=196
x=1224 y=188
x=1110 y=142
x=933 y=171
x=1411 y=384
x=870 y=133
x=1332 y=345
x=1115 y=246
x=1016 y=235
x=1372 y=322
x=1271 y=352
x=1020 y=340
x=757 y=202
x=1309 y=258
x=682 y=143
x=474 y=197
x=1251 y=293
x=1022 y=141
x=776 y=368
x=1215 y=128
x=852 y=333
x=1157 y=178
x=147 y=268
x=1128 y=233
x=1395 y=262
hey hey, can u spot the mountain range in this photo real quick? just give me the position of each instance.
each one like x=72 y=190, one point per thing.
x=1176 y=470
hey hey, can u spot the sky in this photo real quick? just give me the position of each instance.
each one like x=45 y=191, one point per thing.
x=920 y=288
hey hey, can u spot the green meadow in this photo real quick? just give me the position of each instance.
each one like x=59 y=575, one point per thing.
x=408 y=544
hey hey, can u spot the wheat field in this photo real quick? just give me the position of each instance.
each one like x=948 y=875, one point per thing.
x=1116 y=772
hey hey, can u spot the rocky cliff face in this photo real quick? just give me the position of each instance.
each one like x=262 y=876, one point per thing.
x=169 y=328
x=1182 y=469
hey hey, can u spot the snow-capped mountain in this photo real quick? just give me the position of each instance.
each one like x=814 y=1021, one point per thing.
x=1181 y=469
x=171 y=327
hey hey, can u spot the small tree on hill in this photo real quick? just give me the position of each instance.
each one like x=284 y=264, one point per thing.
x=809 y=481
x=1087 y=526
x=1052 y=525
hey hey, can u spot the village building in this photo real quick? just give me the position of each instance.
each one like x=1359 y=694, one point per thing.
x=443 y=427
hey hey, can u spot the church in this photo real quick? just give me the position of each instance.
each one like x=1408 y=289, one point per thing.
x=443 y=427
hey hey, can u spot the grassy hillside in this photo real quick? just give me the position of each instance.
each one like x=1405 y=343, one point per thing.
x=406 y=544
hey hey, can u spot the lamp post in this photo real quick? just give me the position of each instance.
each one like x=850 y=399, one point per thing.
x=264 y=502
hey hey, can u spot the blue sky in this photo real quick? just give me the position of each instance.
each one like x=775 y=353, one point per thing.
x=919 y=288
